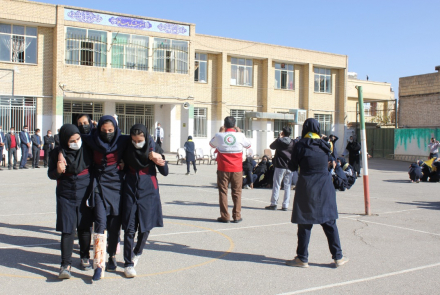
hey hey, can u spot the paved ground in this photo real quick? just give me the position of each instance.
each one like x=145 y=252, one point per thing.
x=396 y=251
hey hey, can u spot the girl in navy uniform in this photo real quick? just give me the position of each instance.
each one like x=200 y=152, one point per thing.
x=190 y=156
x=73 y=189
x=415 y=171
x=348 y=170
x=142 y=209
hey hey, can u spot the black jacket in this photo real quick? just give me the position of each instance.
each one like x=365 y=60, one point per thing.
x=48 y=142
x=283 y=147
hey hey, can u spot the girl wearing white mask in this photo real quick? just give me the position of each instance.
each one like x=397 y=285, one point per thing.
x=72 y=192
x=141 y=206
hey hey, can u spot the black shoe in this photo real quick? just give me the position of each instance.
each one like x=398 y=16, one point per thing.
x=284 y=209
x=222 y=220
x=45 y=166
x=237 y=220
x=111 y=264
x=10 y=168
x=37 y=166
x=271 y=207
x=24 y=167
x=21 y=168
x=97 y=274
x=15 y=168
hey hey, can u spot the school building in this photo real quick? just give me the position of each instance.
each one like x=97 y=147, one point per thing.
x=59 y=61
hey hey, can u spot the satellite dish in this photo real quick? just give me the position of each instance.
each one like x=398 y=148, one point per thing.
x=186 y=105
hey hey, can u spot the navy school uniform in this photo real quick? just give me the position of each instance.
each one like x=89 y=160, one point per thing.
x=349 y=171
x=435 y=173
x=340 y=181
x=415 y=172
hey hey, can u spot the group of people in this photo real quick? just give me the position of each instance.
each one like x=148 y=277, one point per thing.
x=30 y=146
x=424 y=171
x=315 y=195
x=105 y=180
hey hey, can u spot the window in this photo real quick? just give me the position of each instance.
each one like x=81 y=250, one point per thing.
x=129 y=52
x=278 y=127
x=284 y=76
x=200 y=122
x=18 y=44
x=86 y=47
x=367 y=109
x=323 y=80
x=241 y=71
x=325 y=123
x=170 y=56
x=71 y=110
x=245 y=124
x=17 y=112
x=130 y=114
x=200 y=73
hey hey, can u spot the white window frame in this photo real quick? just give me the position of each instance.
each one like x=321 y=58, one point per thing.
x=25 y=37
x=289 y=71
x=323 y=80
x=131 y=45
x=173 y=56
x=242 y=65
x=279 y=128
x=245 y=124
x=79 y=62
x=199 y=59
x=200 y=122
x=324 y=120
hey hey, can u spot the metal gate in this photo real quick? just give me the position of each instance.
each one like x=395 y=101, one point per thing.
x=73 y=108
x=130 y=114
x=17 y=112
x=380 y=142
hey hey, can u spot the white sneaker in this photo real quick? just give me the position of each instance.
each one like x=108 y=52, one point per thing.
x=130 y=272
x=136 y=259
x=247 y=187
x=341 y=261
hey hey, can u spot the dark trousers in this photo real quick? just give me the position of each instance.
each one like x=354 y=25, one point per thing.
x=332 y=234
x=46 y=156
x=433 y=155
x=111 y=222
x=24 y=155
x=67 y=241
x=129 y=249
x=188 y=164
x=12 y=152
x=236 y=180
x=35 y=157
x=249 y=178
x=159 y=142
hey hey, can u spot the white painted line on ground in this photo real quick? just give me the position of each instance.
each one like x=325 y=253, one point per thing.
x=8 y=215
x=391 y=212
x=395 y=226
x=34 y=245
x=363 y=279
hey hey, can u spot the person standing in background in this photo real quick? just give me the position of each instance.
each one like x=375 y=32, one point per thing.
x=354 y=149
x=2 y=143
x=56 y=138
x=48 y=145
x=12 y=144
x=158 y=135
x=190 y=148
x=433 y=148
x=36 y=147
x=25 y=140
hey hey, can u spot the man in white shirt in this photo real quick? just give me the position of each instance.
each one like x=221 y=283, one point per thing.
x=158 y=135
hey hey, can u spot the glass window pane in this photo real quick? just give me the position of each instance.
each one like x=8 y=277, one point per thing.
x=76 y=33
x=290 y=80
x=328 y=71
x=277 y=79
x=117 y=56
x=139 y=40
x=159 y=42
x=19 y=30
x=241 y=61
x=283 y=79
x=203 y=71
x=31 y=31
x=197 y=71
x=233 y=75
x=322 y=71
x=277 y=66
x=328 y=84
x=180 y=44
x=316 y=70
x=98 y=36
x=5 y=28
x=5 y=51
x=248 y=76
x=316 y=83
x=290 y=68
x=241 y=76
x=234 y=61
x=197 y=56
x=249 y=62
x=321 y=83
x=203 y=57
x=31 y=50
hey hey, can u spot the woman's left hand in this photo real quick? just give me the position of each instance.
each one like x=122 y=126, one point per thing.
x=157 y=159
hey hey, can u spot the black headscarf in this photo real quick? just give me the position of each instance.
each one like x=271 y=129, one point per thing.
x=78 y=160
x=138 y=158
x=96 y=143
x=312 y=126
x=343 y=161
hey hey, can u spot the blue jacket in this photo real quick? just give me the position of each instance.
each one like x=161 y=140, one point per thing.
x=24 y=137
x=3 y=140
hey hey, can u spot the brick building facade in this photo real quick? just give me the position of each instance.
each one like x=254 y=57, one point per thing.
x=74 y=60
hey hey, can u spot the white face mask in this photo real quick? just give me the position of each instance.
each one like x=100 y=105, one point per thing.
x=12 y=131
x=138 y=145
x=38 y=133
x=75 y=145
x=351 y=140
x=49 y=135
x=25 y=130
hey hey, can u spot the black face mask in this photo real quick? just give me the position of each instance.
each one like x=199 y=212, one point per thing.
x=106 y=137
x=84 y=129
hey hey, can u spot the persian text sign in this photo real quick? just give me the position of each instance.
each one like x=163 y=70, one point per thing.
x=124 y=22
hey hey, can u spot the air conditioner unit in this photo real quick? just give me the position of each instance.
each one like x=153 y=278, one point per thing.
x=300 y=115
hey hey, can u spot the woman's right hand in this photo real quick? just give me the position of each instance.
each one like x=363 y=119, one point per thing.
x=61 y=158
x=61 y=167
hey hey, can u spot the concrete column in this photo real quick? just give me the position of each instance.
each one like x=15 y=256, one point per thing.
x=307 y=89
x=58 y=66
x=109 y=108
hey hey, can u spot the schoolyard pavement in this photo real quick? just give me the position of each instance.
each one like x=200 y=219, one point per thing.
x=394 y=251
